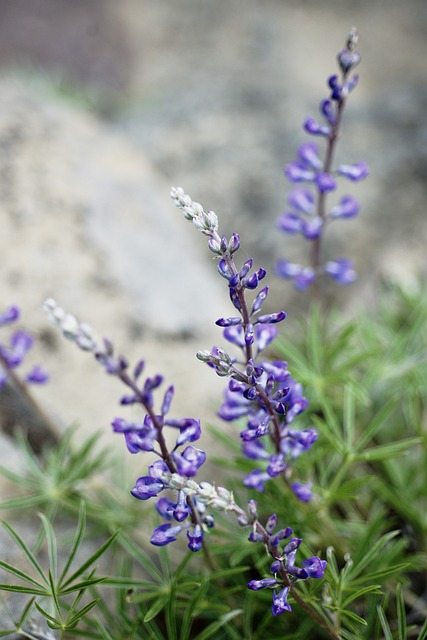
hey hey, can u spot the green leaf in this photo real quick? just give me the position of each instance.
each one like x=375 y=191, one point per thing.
x=51 y=545
x=29 y=555
x=386 y=629
x=374 y=588
x=155 y=608
x=20 y=574
x=14 y=588
x=390 y=450
x=423 y=632
x=93 y=558
x=78 y=538
x=401 y=613
x=80 y=614
x=211 y=629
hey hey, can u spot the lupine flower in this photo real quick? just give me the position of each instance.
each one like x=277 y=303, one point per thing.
x=280 y=604
x=308 y=214
x=12 y=355
x=263 y=391
x=175 y=467
x=285 y=572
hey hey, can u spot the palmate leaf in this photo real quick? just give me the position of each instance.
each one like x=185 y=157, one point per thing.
x=65 y=586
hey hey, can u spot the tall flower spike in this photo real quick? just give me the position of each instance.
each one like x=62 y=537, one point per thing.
x=308 y=214
x=261 y=390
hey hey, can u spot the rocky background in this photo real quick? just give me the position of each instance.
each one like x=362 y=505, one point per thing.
x=104 y=105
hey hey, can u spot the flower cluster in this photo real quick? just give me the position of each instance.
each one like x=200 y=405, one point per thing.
x=308 y=214
x=261 y=390
x=173 y=467
x=283 y=567
x=12 y=355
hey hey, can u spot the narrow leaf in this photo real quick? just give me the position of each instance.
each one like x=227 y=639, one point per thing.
x=29 y=555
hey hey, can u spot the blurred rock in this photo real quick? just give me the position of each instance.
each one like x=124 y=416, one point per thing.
x=86 y=220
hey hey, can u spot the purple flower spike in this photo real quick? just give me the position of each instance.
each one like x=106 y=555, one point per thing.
x=147 y=487
x=315 y=567
x=280 y=604
x=320 y=170
x=164 y=534
x=9 y=316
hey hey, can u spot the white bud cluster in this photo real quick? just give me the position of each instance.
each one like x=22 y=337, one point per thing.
x=79 y=332
x=216 y=497
x=206 y=222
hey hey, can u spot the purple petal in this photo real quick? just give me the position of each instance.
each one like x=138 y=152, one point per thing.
x=10 y=315
x=348 y=207
x=290 y=223
x=147 y=487
x=354 y=172
x=302 y=200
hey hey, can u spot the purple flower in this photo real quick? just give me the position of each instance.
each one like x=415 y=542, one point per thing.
x=190 y=461
x=313 y=128
x=165 y=534
x=315 y=567
x=276 y=466
x=256 y=479
x=280 y=604
x=312 y=229
x=37 y=375
x=298 y=172
x=308 y=153
x=164 y=507
x=341 y=270
x=325 y=182
x=181 y=510
x=290 y=223
x=20 y=343
x=10 y=315
x=347 y=208
x=189 y=429
x=147 y=487
x=302 y=200
x=265 y=583
x=195 y=538
x=302 y=491
x=310 y=167
x=354 y=172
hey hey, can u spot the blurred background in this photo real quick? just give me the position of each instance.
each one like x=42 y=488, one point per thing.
x=105 y=104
